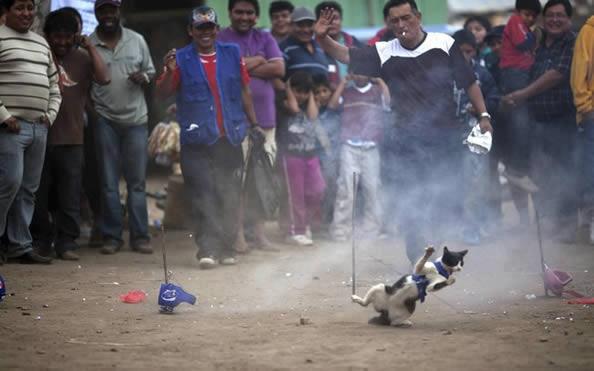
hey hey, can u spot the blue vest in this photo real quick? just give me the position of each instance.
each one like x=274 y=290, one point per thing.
x=422 y=281
x=196 y=109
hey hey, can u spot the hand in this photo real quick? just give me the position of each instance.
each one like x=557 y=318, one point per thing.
x=322 y=25
x=507 y=102
x=84 y=42
x=254 y=62
x=429 y=251
x=44 y=121
x=348 y=77
x=375 y=80
x=256 y=134
x=485 y=125
x=12 y=124
x=170 y=60
x=137 y=78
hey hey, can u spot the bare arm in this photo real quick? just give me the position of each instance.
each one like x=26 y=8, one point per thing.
x=100 y=71
x=386 y=97
x=291 y=101
x=253 y=62
x=335 y=99
x=273 y=69
x=334 y=49
x=546 y=81
x=312 y=107
x=478 y=102
x=248 y=105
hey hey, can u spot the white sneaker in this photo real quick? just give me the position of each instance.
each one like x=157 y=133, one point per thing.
x=207 y=263
x=228 y=261
x=301 y=240
x=308 y=232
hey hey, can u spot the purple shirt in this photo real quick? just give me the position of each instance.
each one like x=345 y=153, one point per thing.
x=253 y=43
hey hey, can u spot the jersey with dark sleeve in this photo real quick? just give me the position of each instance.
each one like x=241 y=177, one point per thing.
x=421 y=81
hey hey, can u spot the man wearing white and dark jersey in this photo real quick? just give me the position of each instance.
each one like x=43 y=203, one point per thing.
x=425 y=142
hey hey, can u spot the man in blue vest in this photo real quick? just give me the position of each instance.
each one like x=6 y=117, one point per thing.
x=214 y=105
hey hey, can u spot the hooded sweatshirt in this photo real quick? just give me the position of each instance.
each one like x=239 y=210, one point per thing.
x=582 y=71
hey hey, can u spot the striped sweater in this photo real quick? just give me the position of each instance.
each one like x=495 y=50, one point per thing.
x=28 y=77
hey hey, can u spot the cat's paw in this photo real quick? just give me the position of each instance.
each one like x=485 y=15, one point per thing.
x=429 y=250
x=404 y=324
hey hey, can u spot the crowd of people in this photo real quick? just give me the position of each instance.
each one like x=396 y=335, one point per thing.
x=337 y=118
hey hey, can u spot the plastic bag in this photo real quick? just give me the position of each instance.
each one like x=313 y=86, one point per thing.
x=262 y=186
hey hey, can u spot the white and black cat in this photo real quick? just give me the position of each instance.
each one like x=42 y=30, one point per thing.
x=397 y=303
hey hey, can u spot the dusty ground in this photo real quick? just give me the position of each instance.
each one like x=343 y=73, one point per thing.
x=69 y=316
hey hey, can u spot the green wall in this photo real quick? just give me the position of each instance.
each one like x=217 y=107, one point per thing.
x=357 y=13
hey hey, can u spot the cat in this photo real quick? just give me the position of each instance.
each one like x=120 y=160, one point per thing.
x=397 y=303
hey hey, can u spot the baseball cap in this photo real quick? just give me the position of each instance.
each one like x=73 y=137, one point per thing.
x=202 y=15
x=99 y=3
x=302 y=14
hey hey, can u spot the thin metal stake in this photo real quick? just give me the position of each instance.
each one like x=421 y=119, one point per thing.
x=539 y=236
x=353 y=242
x=164 y=254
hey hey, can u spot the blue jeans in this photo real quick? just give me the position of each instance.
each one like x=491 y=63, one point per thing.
x=122 y=150
x=427 y=181
x=554 y=169
x=21 y=163
x=475 y=169
x=518 y=123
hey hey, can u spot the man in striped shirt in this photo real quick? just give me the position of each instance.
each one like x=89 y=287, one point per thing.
x=29 y=102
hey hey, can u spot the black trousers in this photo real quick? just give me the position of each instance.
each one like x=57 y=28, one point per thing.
x=212 y=176
x=57 y=207
x=91 y=177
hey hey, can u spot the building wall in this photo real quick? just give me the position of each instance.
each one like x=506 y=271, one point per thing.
x=357 y=13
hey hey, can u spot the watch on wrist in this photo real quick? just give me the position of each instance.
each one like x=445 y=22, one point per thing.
x=485 y=115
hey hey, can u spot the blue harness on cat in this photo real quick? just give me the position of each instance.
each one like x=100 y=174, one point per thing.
x=422 y=281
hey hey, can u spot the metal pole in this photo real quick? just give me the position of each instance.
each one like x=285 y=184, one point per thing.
x=539 y=236
x=353 y=223
x=164 y=254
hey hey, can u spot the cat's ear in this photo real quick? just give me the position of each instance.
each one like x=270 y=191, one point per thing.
x=463 y=253
x=445 y=250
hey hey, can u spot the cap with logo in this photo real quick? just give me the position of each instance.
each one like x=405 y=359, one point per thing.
x=203 y=15
x=100 y=3
x=302 y=14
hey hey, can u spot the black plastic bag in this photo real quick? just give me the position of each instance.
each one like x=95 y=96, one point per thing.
x=262 y=187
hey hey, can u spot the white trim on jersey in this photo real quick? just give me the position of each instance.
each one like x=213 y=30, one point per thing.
x=393 y=48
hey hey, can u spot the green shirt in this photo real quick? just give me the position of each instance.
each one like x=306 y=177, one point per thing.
x=122 y=100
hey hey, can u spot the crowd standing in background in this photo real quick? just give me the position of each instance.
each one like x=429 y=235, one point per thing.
x=393 y=113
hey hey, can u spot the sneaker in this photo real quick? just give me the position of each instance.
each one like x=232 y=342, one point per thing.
x=45 y=250
x=207 y=262
x=228 y=261
x=301 y=240
x=32 y=258
x=142 y=246
x=111 y=247
x=308 y=233
x=69 y=255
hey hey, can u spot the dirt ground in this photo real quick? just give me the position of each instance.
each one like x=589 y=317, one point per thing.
x=68 y=316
